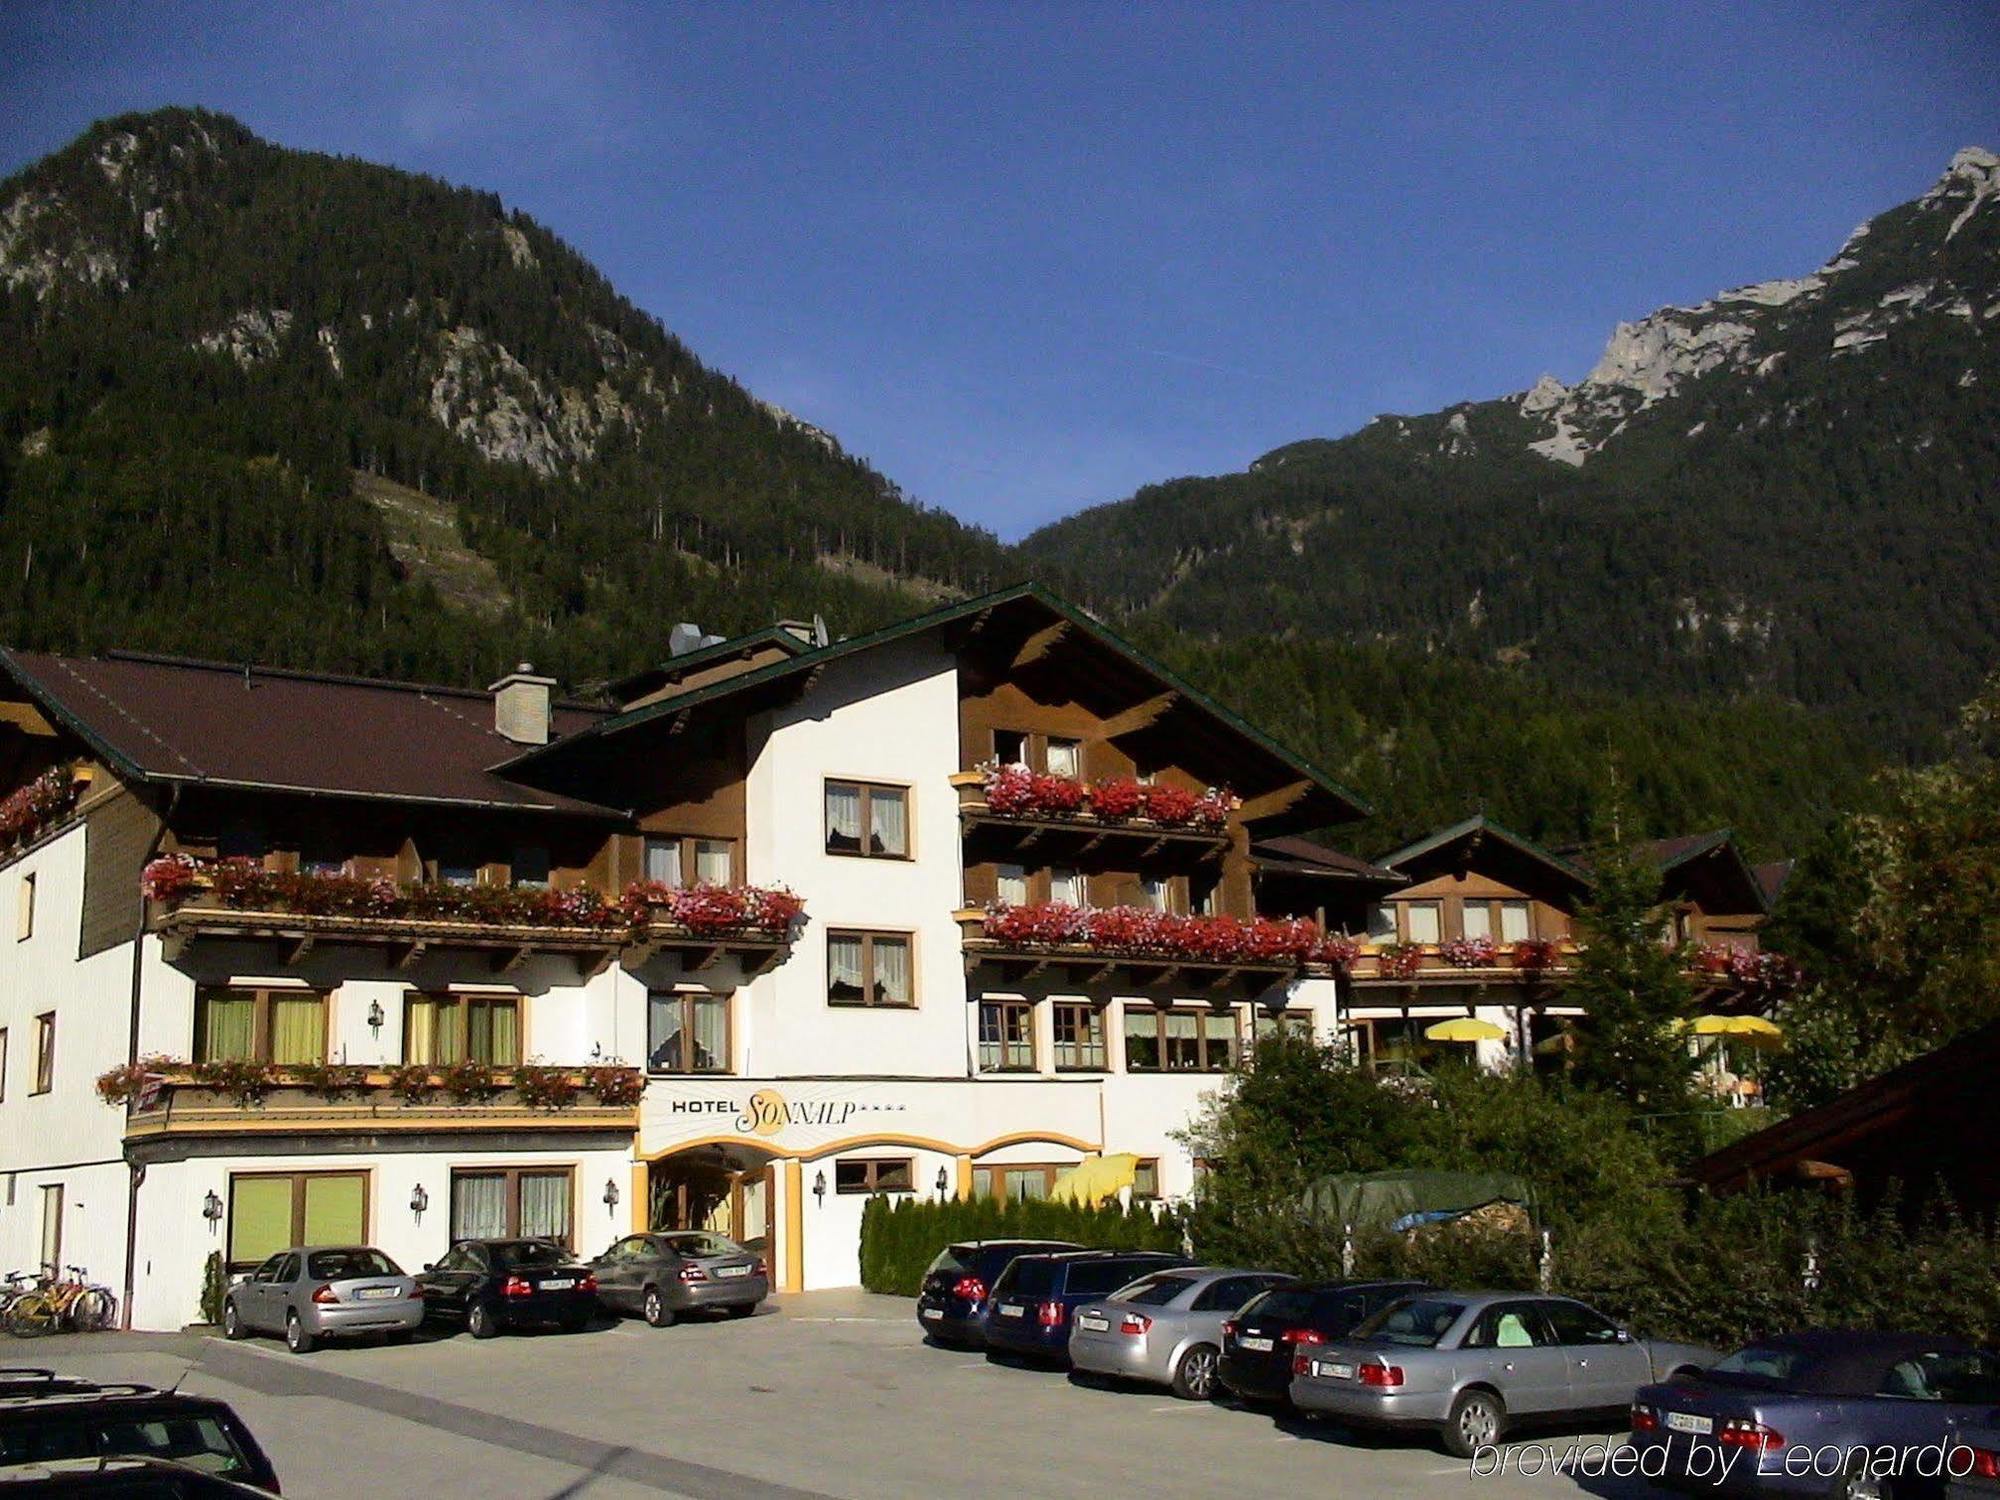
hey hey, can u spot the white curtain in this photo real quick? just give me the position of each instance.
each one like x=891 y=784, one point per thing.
x=1062 y=758
x=885 y=816
x=1013 y=885
x=712 y=865
x=892 y=971
x=478 y=1206
x=711 y=1034
x=663 y=1032
x=1478 y=920
x=1066 y=886
x=843 y=816
x=1423 y=917
x=843 y=968
x=1514 y=921
x=545 y=1205
x=663 y=862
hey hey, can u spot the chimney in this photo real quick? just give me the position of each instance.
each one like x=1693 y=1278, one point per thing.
x=521 y=705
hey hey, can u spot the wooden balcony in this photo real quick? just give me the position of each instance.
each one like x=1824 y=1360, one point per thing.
x=1080 y=837
x=1085 y=965
x=755 y=950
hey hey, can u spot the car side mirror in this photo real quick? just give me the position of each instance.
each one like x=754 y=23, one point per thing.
x=1624 y=1335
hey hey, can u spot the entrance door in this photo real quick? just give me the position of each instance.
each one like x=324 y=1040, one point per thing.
x=751 y=1201
x=52 y=1226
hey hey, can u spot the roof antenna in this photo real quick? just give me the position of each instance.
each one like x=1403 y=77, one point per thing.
x=246 y=677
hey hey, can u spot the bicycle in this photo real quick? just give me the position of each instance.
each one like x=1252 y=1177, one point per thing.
x=14 y=1286
x=73 y=1303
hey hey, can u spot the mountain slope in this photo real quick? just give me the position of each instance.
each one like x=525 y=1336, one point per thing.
x=1793 y=487
x=209 y=338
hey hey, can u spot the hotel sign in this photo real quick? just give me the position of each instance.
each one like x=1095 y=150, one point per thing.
x=795 y=1116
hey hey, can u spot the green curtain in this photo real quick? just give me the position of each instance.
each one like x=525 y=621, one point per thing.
x=503 y=1048
x=298 y=1029
x=334 y=1210
x=260 y=1218
x=225 y=1027
x=419 y=1018
x=448 y=1035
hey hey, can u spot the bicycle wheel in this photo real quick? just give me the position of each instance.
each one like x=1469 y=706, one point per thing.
x=34 y=1315
x=92 y=1310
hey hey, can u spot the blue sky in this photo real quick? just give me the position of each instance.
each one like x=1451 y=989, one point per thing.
x=1028 y=257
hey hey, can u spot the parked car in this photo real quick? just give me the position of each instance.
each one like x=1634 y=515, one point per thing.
x=46 y=1420
x=315 y=1292
x=1470 y=1365
x=951 y=1304
x=131 y=1478
x=663 y=1275
x=1974 y=1468
x=1835 y=1393
x=1033 y=1298
x=1259 y=1342
x=490 y=1285
x=1165 y=1328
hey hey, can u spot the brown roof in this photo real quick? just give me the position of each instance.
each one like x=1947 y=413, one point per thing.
x=1302 y=856
x=1771 y=878
x=169 y=719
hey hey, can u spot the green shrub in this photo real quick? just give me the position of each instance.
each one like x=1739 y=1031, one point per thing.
x=214 y=1282
x=900 y=1237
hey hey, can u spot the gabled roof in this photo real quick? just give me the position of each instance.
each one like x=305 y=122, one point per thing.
x=1677 y=855
x=167 y=720
x=1480 y=828
x=1291 y=855
x=651 y=679
x=1018 y=612
x=1771 y=879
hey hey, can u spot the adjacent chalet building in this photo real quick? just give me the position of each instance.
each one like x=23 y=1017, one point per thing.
x=941 y=909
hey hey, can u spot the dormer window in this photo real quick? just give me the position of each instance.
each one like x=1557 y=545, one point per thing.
x=1010 y=747
x=1476 y=921
x=1065 y=758
x=1382 y=923
x=1424 y=920
x=530 y=867
x=1514 y=924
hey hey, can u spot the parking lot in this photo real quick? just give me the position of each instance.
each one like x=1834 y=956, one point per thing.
x=830 y=1393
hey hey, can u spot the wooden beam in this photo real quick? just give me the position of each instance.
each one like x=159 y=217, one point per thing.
x=299 y=949
x=510 y=959
x=1139 y=716
x=411 y=952
x=589 y=964
x=702 y=958
x=28 y=719
x=640 y=952
x=173 y=944
x=1087 y=974
x=1040 y=644
x=1091 y=844
x=1267 y=804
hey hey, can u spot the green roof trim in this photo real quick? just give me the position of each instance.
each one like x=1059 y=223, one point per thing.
x=921 y=624
x=1481 y=824
x=56 y=709
x=701 y=656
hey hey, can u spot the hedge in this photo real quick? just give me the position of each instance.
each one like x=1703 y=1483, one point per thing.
x=900 y=1237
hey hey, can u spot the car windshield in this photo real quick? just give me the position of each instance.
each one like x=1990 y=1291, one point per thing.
x=1286 y=1304
x=518 y=1255
x=1418 y=1322
x=1030 y=1275
x=201 y=1442
x=1153 y=1291
x=1758 y=1362
x=346 y=1265
x=951 y=1258
x=697 y=1244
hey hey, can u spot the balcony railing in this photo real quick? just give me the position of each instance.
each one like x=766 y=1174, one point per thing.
x=192 y=899
x=1142 y=947
x=1015 y=809
x=166 y=1097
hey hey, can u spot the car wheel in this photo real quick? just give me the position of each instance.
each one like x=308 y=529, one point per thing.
x=480 y=1322
x=1858 y=1484
x=1477 y=1419
x=1194 y=1373
x=575 y=1322
x=296 y=1338
x=653 y=1306
x=232 y=1321
x=742 y=1309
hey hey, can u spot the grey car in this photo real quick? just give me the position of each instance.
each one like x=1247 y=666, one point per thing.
x=1165 y=1328
x=1468 y=1365
x=664 y=1274
x=1974 y=1460
x=315 y=1292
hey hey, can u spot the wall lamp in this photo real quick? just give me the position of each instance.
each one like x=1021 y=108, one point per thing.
x=419 y=1201
x=819 y=1188
x=375 y=1016
x=211 y=1210
x=611 y=1195
x=943 y=1182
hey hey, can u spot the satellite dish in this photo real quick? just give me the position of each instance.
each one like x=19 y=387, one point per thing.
x=683 y=638
x=819 y=630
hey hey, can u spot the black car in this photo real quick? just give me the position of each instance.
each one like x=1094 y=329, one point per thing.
x=956 y=1287
x=120 y=1479
x=1029 y=1310
x=1258 y=1344
x=490 y=1285
x=50 y=1419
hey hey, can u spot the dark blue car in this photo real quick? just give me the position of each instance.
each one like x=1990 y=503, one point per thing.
x=951 y=1305
x=1030 y=1308
x=1854 y=1416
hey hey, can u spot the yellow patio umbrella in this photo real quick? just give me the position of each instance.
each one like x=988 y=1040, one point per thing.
x=1465 y=1029
x=1096 y=1178
x=1753 y=1030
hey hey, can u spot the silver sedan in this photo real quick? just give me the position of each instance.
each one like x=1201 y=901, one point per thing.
x=315 y=1292
x=1165 y=1328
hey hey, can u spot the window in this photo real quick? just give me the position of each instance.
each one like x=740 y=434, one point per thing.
x=45 y=1053
x=282 y=1026
x=1180 y=1041
x=1010 y=747
x=894 y=1174
x=452 y=872
x=1006 y=1036
x=1382 y=923
x=866 y=819
x=1476 y=921
x=1155 y=892
x=1015 y=1182
x=1066 y=886
x=1011 y=883
x=687 y=1032
x=1514 y=925
x=1576 y=1324
x=322 y=862
x=241 y=841
x=1079 y=1037
x=1423 y=920
x=1206 y=898
x=512 y=1203
x=446 y=1029
x=3 y=1064
x=679 y=862
x=868 y=968
x=272 y=1211
x=1065 y=758
x=714 y=862
x=1293 y=1023
x=530 y=867
x=1510 y=1325
x=24 y=917
x=1146 y=1180
x=663 y=862
x=52 y=1227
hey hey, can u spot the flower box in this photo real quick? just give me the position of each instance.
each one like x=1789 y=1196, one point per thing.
x=1135 y=932
x=1014 y=791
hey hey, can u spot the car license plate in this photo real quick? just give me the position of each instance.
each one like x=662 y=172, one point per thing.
x=559 y=1284
x=1092 y=1322
x=1256 y=1345
x=374 y=1293
x=930 y=1312
x=1333 y=1371
x=1011 y=1310
x=724 y=1273
x=1681 y=1421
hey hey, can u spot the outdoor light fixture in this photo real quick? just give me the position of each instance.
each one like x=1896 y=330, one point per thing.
x=375 y=1016
x=419 y=1201
x=819 y=1187
x=943 y=1182
x=211 y=1210
x=611 y=1194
